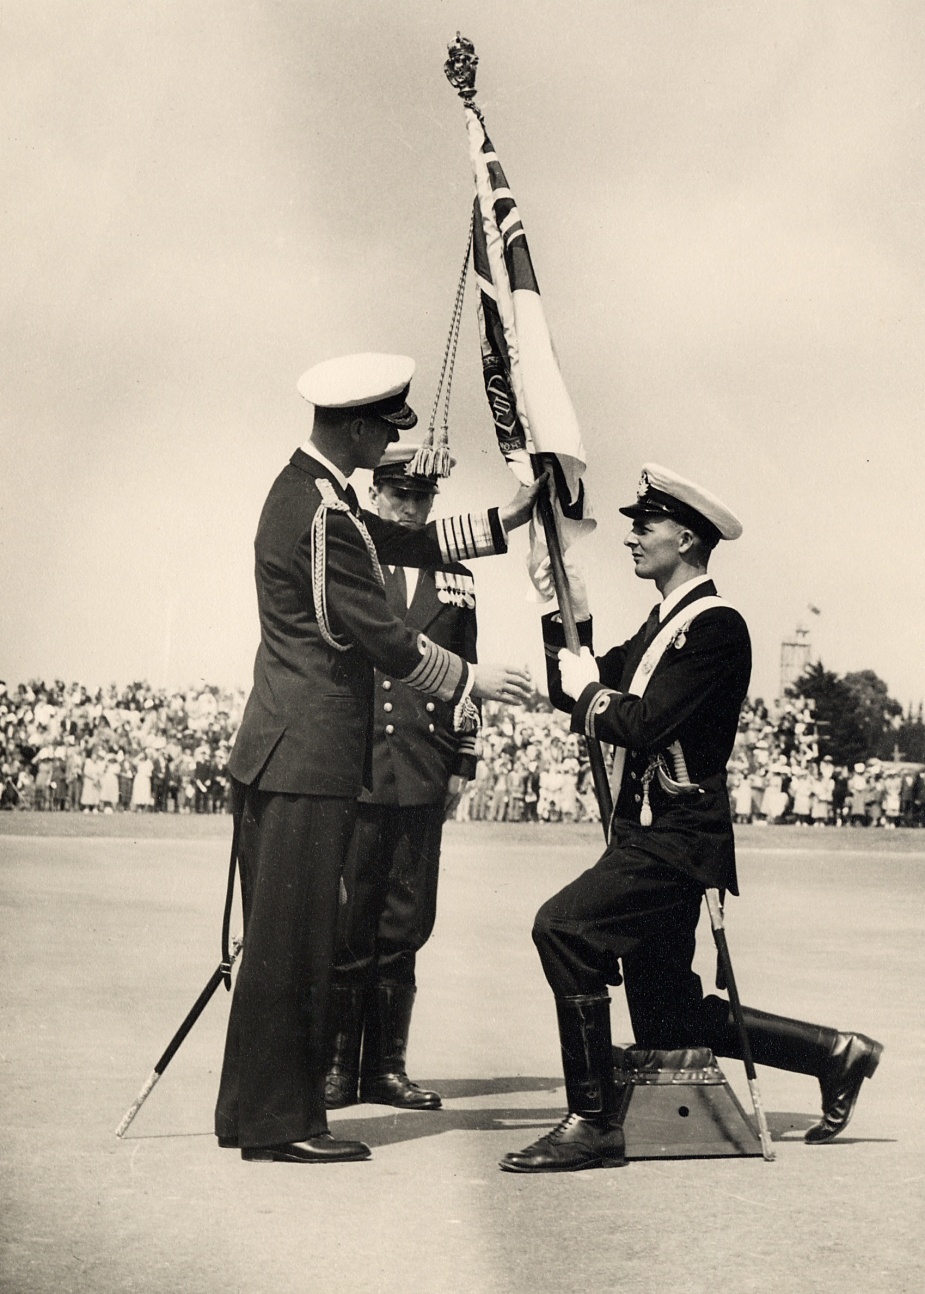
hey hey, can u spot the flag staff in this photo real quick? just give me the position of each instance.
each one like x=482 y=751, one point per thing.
x=547 y=516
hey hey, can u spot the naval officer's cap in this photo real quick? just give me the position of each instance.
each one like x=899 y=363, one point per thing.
x=662 y=493
x=371 y=383
x=397 y=468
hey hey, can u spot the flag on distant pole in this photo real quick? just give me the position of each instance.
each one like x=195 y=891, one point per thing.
x=530 y=406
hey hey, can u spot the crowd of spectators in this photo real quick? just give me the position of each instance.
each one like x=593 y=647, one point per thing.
x=776 y=775
x=65 y=748
x=532 y=770
x=143 y=749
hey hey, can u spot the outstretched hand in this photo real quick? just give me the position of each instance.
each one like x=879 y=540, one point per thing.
x=520 y=509
x=510 y=683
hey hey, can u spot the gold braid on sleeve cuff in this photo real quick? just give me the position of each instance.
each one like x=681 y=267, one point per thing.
x=439 y=673
x=598 y=704
x=466 y=536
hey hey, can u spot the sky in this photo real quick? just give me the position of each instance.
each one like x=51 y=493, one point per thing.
x=725 y=206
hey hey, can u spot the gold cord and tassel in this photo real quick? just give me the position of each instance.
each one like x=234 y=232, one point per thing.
x=433 y=458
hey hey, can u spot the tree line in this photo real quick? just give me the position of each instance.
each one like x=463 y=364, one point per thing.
x=857 y=719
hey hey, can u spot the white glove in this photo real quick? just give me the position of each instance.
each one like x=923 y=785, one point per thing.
x=541 y=575
x=576 y=672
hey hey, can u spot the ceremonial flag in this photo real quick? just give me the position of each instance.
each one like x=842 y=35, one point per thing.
x=532 y=412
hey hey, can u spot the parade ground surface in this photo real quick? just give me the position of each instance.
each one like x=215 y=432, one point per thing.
x=111 y=928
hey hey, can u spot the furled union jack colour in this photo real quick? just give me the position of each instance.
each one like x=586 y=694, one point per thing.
x=530 y=406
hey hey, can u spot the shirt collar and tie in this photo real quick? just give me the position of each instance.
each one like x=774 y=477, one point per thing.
x=668 y=604
x=396 y=589
x=662 y=610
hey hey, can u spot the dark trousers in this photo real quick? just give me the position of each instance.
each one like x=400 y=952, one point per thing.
x=632 y=918
x=291 y=854
x=390 y=879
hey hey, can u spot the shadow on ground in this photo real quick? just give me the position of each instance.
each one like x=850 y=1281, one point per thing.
x=387 y=1128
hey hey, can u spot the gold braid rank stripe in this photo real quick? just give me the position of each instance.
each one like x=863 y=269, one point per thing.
x=598 y=705
x=465 y=536
x=439 y=672
x=331 y=502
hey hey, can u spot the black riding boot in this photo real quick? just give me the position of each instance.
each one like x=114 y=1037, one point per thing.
x=589 y=1136
x=383 y=1079
x=840 y=1061
x=345 y=1032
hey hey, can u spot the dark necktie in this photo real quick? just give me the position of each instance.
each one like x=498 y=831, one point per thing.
x=396 y=590
x=653 y=624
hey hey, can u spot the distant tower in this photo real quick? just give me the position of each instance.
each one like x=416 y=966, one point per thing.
x=794 y=658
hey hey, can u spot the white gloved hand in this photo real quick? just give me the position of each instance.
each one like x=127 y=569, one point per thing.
x=576 y=672
x=541 y=575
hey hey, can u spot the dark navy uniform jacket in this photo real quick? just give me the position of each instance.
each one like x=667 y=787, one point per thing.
x=306 y=728
x=693 y=696
x=415 y=748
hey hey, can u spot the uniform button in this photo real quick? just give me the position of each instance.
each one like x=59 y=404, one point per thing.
x=390 y=728
x=429 y=707
x=634 y=776
x=386 y=684
x=430 y=727
x=637 y=798
x=388 y=707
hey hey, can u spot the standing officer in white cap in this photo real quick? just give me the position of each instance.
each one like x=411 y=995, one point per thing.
x=668 y=700
x=302 y=753
x=419 y=760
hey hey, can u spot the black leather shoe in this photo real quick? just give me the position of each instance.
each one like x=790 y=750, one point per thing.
x=398 y=1090
x=340 y=1090
x=853 y=1059
x=574 y=1144
x=322 y=1149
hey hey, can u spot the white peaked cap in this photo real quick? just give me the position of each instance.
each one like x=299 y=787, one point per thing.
x=355 y=381
x=663 y=492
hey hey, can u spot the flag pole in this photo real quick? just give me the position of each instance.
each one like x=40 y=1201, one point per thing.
x=570 y=628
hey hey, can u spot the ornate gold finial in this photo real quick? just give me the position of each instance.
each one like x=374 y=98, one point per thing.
x=460 y=69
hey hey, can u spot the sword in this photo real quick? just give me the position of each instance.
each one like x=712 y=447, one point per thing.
x=715 y=909
x=221 y=972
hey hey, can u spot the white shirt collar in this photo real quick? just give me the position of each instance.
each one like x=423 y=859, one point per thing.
x=675 y=596
x=314 y=452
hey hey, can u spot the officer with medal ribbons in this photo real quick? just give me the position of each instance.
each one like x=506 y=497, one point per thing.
x=668 y=700
x=303 y=751
x=420 y=763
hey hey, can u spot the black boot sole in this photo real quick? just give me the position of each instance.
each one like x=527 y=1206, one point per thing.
x=562 y=1168
x=280 y=1155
